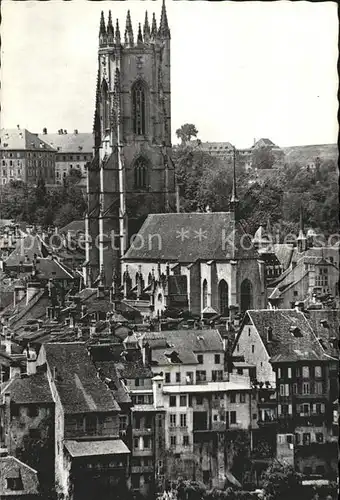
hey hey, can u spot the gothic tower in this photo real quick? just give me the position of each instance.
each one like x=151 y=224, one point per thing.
x=131 y=174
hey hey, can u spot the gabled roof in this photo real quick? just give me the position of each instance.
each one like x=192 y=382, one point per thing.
x=22 y=139
x=79 y=143
x=32 y=389
x=76 y=226
x=79 y=388
x=325 y=324
x=26 y=247
x=285 y=346
x=185 y=343
x=11 y=467
x=187 y=237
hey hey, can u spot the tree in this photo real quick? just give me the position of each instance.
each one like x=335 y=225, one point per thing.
x=186 y=132
x=263 y=158
x=281 y=482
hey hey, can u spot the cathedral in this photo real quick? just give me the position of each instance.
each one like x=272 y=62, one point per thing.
x=132 y=172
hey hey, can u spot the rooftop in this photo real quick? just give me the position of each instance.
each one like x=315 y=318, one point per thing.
x=32 y=389
x=292 y=336
x=76 y=379
x=96 y=448
x=12 y=468
x=78 y=143
x=22 y=139
x=186 y=237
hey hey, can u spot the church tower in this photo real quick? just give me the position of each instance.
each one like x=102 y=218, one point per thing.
x=131 y=174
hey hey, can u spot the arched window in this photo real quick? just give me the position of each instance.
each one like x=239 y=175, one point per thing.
x=141 y=174
x=205 y=293
x=105 y=102
x=138 y=101
x=223 y=297
x=246 y=295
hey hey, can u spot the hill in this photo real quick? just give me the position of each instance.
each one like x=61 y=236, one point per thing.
x=307 y=154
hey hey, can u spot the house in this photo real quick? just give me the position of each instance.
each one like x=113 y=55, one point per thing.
x=141 y=418
x=18 y=481
x=202 y=401
x=27 y=424
x=90 y=458
x=291 y=356
x=25 y=157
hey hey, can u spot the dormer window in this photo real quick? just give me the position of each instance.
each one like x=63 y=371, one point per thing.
x=269 y=333
x=295 y=330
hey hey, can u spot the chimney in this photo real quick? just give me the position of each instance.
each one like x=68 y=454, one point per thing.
x=31 y=361
x=44 y=130
x=100 y=292
x=75 y=131
x=19 y=294
x=7 y=417
x=299 y=306
x=157 y=389
x=92 y=330
x=14 y=371
x=65 y=132
x=31 y=290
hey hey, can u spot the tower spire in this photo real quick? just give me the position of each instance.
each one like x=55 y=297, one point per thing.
x=234 y=201
x=301 y=240
x=139 y=36
x=128 y=30
x=146 y=28
x=110 y=31
x=154 y=26
x=117 y=33
x=164 y=31
x=102 y=29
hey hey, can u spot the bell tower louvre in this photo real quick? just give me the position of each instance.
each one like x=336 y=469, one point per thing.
x=131 y=174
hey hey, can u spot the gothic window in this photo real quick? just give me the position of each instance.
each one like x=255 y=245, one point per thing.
x=105 y=102
x=205 y=293
x=138 y=97
x=223 y=296
x=140 y=173
x=246 y=295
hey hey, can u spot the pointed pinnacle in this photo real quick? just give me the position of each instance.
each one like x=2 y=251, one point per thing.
x=154 y=26
x=146 y=28
x=164 y=27
x=117 y=32
x=128 y=29
x=139 y=36
x=110 y=30
x=102 y=30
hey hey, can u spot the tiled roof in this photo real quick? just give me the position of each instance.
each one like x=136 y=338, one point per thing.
x=21 y=139
x=325 y=323
x=95 y=448
x=183 y=343
x=217 y=146
x=186 y=237
x=285 y=346
x=32 y=389
x=28 y=246
x=35 y=309
x=284 y=253
x=11 y=467
x=77 y=382
x=109 y=370
x=79 y=143
x=76 y=226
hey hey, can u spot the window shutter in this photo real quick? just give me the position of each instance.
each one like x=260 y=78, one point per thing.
x=290 y=410
x=314 y=408
x=279 y=409
x=322 y=407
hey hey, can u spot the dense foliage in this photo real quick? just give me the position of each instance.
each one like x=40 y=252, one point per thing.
x=275 y=199
x=39 y=205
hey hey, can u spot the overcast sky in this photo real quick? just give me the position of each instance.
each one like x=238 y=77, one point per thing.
x=240 y=70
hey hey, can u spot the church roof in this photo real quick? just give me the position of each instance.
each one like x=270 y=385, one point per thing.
x=187 y=237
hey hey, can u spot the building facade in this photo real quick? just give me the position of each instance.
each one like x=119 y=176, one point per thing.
x=73 y=152
x=25 y=157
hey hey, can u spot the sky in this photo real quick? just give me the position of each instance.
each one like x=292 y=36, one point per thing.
x=239 y=70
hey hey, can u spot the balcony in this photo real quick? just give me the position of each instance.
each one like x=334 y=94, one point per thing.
x=175 y=429
x=267 y=421
x=142 y=469
x=146 y=431
x=145 y=452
